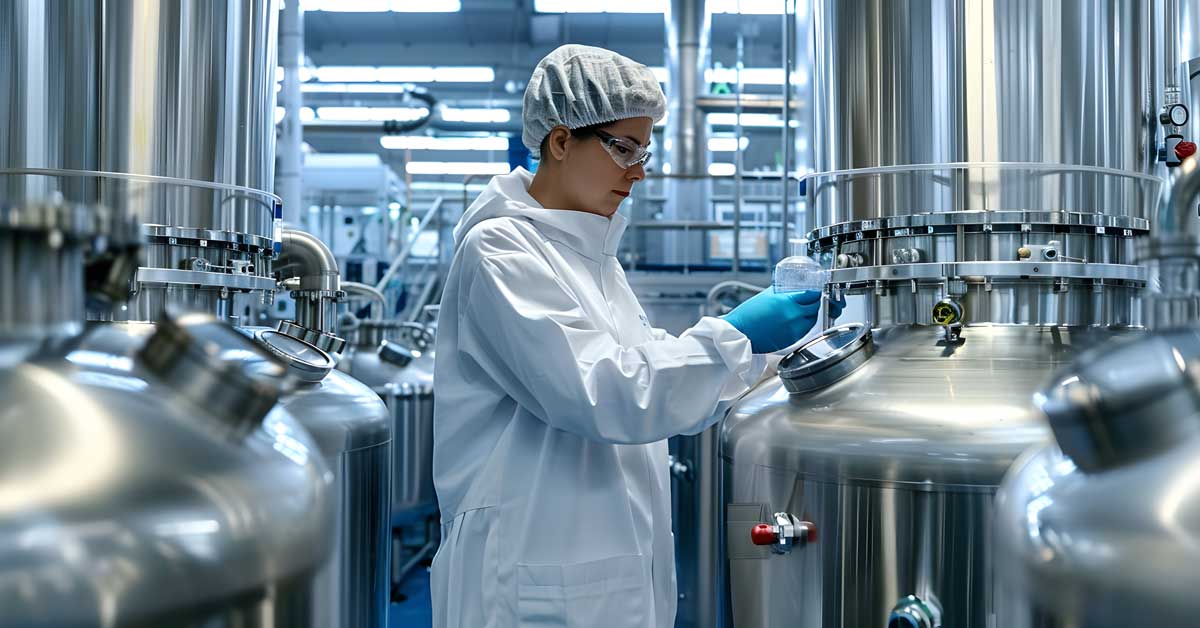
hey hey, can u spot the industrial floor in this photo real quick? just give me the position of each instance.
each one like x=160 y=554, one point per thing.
x=414 y=612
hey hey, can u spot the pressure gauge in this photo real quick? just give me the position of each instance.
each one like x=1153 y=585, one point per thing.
x=1175 y=115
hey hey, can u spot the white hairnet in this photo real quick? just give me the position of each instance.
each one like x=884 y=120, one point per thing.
x=577 y=86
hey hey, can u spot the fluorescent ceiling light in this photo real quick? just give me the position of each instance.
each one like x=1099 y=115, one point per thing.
x=456 y=167
x=468 y=74
x=600 y=6
x=754 y=76
x=426 y=6
x=379 y=6
x=404 y=74
x=445 y=74
x=355 y=88
x=347 y=73
x=306 y=73
x=443 y=186
x=452 y=114
x=756 y=7
x=306 y=114
x=727 y=144
x=720 y=169
x=371 y=114
x=765 y=120
x=424 y=142
x=745 y=7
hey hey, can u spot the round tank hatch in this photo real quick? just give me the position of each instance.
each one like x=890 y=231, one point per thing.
x=304 y=361
x=829 y=357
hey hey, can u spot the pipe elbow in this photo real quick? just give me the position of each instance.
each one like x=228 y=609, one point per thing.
x=305 y=257
x=1175 y=217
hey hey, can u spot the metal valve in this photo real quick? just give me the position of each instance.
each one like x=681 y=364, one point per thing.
x=947 y=312
x=787 y=532
x=906 y=256
x=913 y=612
x=849 y=260
x=680 y=469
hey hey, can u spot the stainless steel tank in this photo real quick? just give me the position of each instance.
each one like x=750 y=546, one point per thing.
x=130 y=493
x=353 y=430
x=1100 y=527
x=986 y=170
x=163 y=111
x=395 y=359
x=350 y=430
x=188 y=92
x=174 y=103
x=892 y=452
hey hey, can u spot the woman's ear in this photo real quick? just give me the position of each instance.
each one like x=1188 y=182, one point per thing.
x=558 y=142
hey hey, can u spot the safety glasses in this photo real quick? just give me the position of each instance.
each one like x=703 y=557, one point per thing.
x=624 y=152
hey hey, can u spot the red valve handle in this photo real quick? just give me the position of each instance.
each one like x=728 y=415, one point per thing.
x=1185 y=149
x=763 y=534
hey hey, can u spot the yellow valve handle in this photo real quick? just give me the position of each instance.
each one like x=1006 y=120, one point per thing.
x=945 y=314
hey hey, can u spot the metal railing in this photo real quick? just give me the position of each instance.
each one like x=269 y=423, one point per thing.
x=750 y=205
x=430 y=272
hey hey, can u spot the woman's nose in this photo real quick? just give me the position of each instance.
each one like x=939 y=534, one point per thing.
x=635 y=173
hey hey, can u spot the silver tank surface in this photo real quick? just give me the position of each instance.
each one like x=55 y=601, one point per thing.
x=163 y=112
x=982 y=186
x=1100 y=527
x=126 y=501
x=403 y=377
x=894 y=464
x=351 y=429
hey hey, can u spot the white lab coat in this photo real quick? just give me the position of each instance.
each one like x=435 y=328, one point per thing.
x=554 y=400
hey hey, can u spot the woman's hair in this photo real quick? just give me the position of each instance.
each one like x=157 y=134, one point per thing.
x=580 y=133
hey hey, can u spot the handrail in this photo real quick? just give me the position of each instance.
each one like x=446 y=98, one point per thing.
x=422 y=300
x=712 y=300
x=268 y=200
x=402 y=257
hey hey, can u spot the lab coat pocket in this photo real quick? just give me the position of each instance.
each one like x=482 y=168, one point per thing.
x=611 y=592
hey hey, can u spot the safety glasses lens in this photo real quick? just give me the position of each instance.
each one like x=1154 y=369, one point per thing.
x=625 y=154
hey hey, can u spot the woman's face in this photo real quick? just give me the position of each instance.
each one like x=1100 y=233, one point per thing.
x=595 y=182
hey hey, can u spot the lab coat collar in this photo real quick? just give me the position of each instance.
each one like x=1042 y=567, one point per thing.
x=592 y=235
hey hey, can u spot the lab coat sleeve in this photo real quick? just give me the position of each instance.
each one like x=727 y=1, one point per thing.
x=527 y=330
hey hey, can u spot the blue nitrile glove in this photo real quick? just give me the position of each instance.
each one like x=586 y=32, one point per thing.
x=835 y=307
x=776 y=321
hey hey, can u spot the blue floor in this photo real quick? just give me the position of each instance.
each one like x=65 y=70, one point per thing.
x=414 y=612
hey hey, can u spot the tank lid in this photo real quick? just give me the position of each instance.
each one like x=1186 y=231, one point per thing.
x=827 y=358
x=304 y=360
x=397 y=354
x=203 y=360
x=1124 y=402
x=323 y=341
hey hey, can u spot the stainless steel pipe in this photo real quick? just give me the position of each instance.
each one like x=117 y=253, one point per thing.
x=304 y=256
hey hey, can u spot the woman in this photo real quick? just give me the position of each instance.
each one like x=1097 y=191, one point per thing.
x=554 y=396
